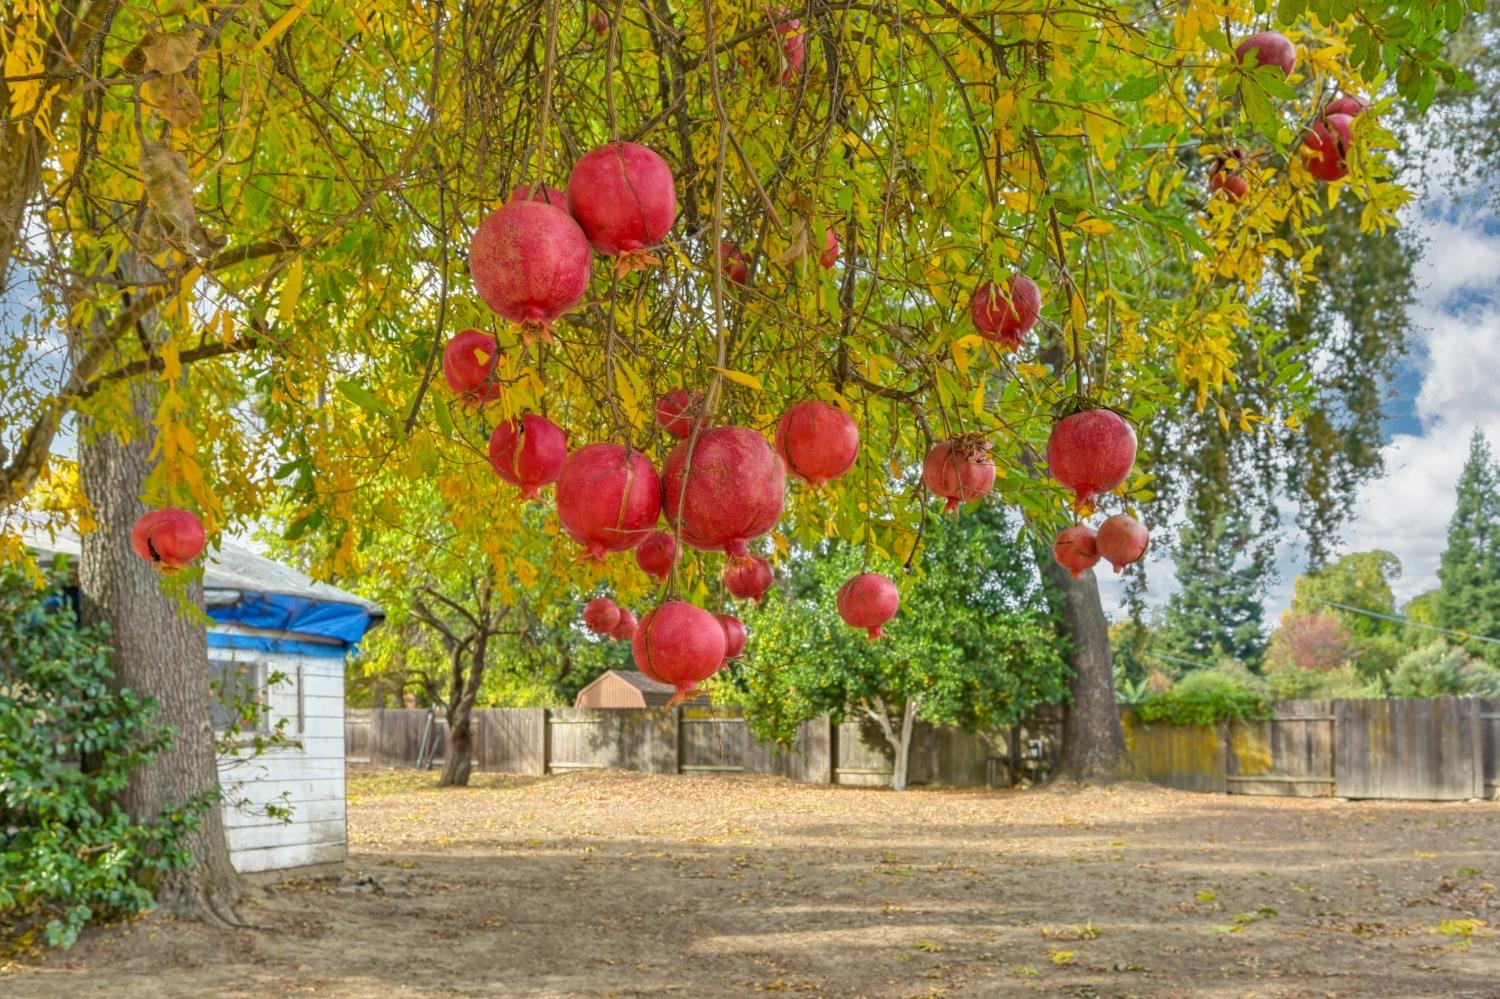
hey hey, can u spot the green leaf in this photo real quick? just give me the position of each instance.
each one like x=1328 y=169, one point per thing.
x=361 y=397
x=1290 y=11
x=1138 y=89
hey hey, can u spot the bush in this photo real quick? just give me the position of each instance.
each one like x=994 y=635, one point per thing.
x=1208 y=696
x=1442 y=670
x=1294 y=683
x=69 y=853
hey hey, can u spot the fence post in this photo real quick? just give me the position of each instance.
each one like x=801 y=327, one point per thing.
x=546 y=740
x=1476 y=743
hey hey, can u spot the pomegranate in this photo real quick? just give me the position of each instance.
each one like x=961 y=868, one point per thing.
x=1271 y=48
x=656 y=555
x=469 y=361
x=959 y=470
x=600 y=22
x=546 y=195
x=530 y=262
x=168 y=538
x=830 y=248
x=1005 y=317
x=817 y=441
x=600 y=615
x=623 y=197
x=1122 y=540
x=1232 y=185
x=608 y=498
x=733 y=492
x=675 y=412
x=735 y=264
x=625 y=629
x=1329 y=139
x=1351 y=106
x=734 y=635
x=1074 y=549
x=868 y=601
x=680 y=644
x=793 y=49
x=1091 y=452
x=529 y=454
x=748 y=578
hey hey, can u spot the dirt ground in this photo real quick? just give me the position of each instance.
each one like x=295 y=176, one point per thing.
x=623 y=884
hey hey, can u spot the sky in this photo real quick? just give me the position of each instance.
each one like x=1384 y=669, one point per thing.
x=1447 y=387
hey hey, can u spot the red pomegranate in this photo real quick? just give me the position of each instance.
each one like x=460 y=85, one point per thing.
x=600 y=22
x=168 y=538
x=830 y=252
x=1271 y=48
x=1351 y=106
x=469 y=361
x=680 y=644
x=959 y=470
x=1074 y=549
x=732 y=494
x=623 y=197
x=817 y=441
x=625 y=629
x=656 y=555
x=1329 y=139
x=601 y=614
x=608 y=498
x=868 y=601
x=1091 y=452
x=734 y=635
x=1006 y=317
x=1122 y=540
x=676 y=411
x=530 y=262
x=793 y=49
x=1232 y=185
x=529 y=454
x=546 y=195
x=748 y=578
x=735 y=264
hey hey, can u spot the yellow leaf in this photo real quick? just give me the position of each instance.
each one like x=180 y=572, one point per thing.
x=291 y=290
x=282 y=23
x=1095 y=227
x=171 y=363
x=740 y=378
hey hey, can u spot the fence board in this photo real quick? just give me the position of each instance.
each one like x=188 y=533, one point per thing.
x=1489 y=728
x=511 y=740
x=859 y=762
x=1407 y=748
x=1187 y=757
x=1290 y=753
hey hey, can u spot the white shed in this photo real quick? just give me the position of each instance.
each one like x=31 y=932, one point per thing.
x=275 y=623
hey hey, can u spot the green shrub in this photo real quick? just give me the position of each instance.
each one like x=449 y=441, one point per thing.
x=69 y=853
x=1207 y=696
x=1442 y=670
x=1287 y=684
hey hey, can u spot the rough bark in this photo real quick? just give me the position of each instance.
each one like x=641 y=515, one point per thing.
x=900 y=742
x=1093 y=742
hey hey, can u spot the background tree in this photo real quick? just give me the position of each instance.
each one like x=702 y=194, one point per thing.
x=1316 y=643
x=1468 y=598
x=1216 y=610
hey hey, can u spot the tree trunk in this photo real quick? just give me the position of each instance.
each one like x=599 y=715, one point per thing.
x=1093 y=741
x=460 y=745
x=900 y=742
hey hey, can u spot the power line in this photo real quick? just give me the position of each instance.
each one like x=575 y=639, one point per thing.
x=1462 y=636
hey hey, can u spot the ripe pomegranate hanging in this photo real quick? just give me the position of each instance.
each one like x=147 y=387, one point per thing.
x=528 y=454
x=169 y=538
x=608 y=498
x=817 y=441
x=1122 y=540
x=680 y=644
x=469 y=361
x=734 y=263
x=1006 y=317
x=1349 y=105
x=530 y=262
x=656 y=555
x=959 y=470
x=676 y=411
x=735 y=636
x=793 y=54
x=1074 y=549
x=623 y=196
x=600 y=615
x=1329 y=139
x=868 y=601
x=599 y=21
x=830 y=252
x=546 y=195
x=1271 y=48
x=748 y=578
x=1091 y=452
x=625 y=629
x=1227 y=177
x=732 y=494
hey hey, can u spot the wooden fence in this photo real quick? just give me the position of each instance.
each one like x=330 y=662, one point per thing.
x=1438 y=749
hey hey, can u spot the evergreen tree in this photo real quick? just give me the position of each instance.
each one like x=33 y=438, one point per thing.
x=1469 y=595
x=1216 y=611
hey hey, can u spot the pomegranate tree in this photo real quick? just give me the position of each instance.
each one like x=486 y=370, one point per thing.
x=169 y=538
x=748 y=577
x=679 y=644
x=601 y=614
x=959 y=470
x=1122 y=540
x=530 y=262
x=817 y=441
x=1271 y=48
x=528 y=453
x=1091 y=452
x=656 y=555
x=1329 y=141
x=868 y=601
x=1005 y=317
x=734 y=635
x=624 y=197
x=676 y=411
x=608 y=498
x=732 y=493
x=1074 y=549
x=546 y=195
x=624 y=629
x=469 y=361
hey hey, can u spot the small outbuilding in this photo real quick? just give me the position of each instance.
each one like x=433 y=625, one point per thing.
x=620 y=688
x=283 y=639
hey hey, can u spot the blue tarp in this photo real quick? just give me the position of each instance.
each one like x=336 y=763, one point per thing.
x=299 y=615
x=261 y=643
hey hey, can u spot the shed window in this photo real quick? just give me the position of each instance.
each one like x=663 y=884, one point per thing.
x=241 y=694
